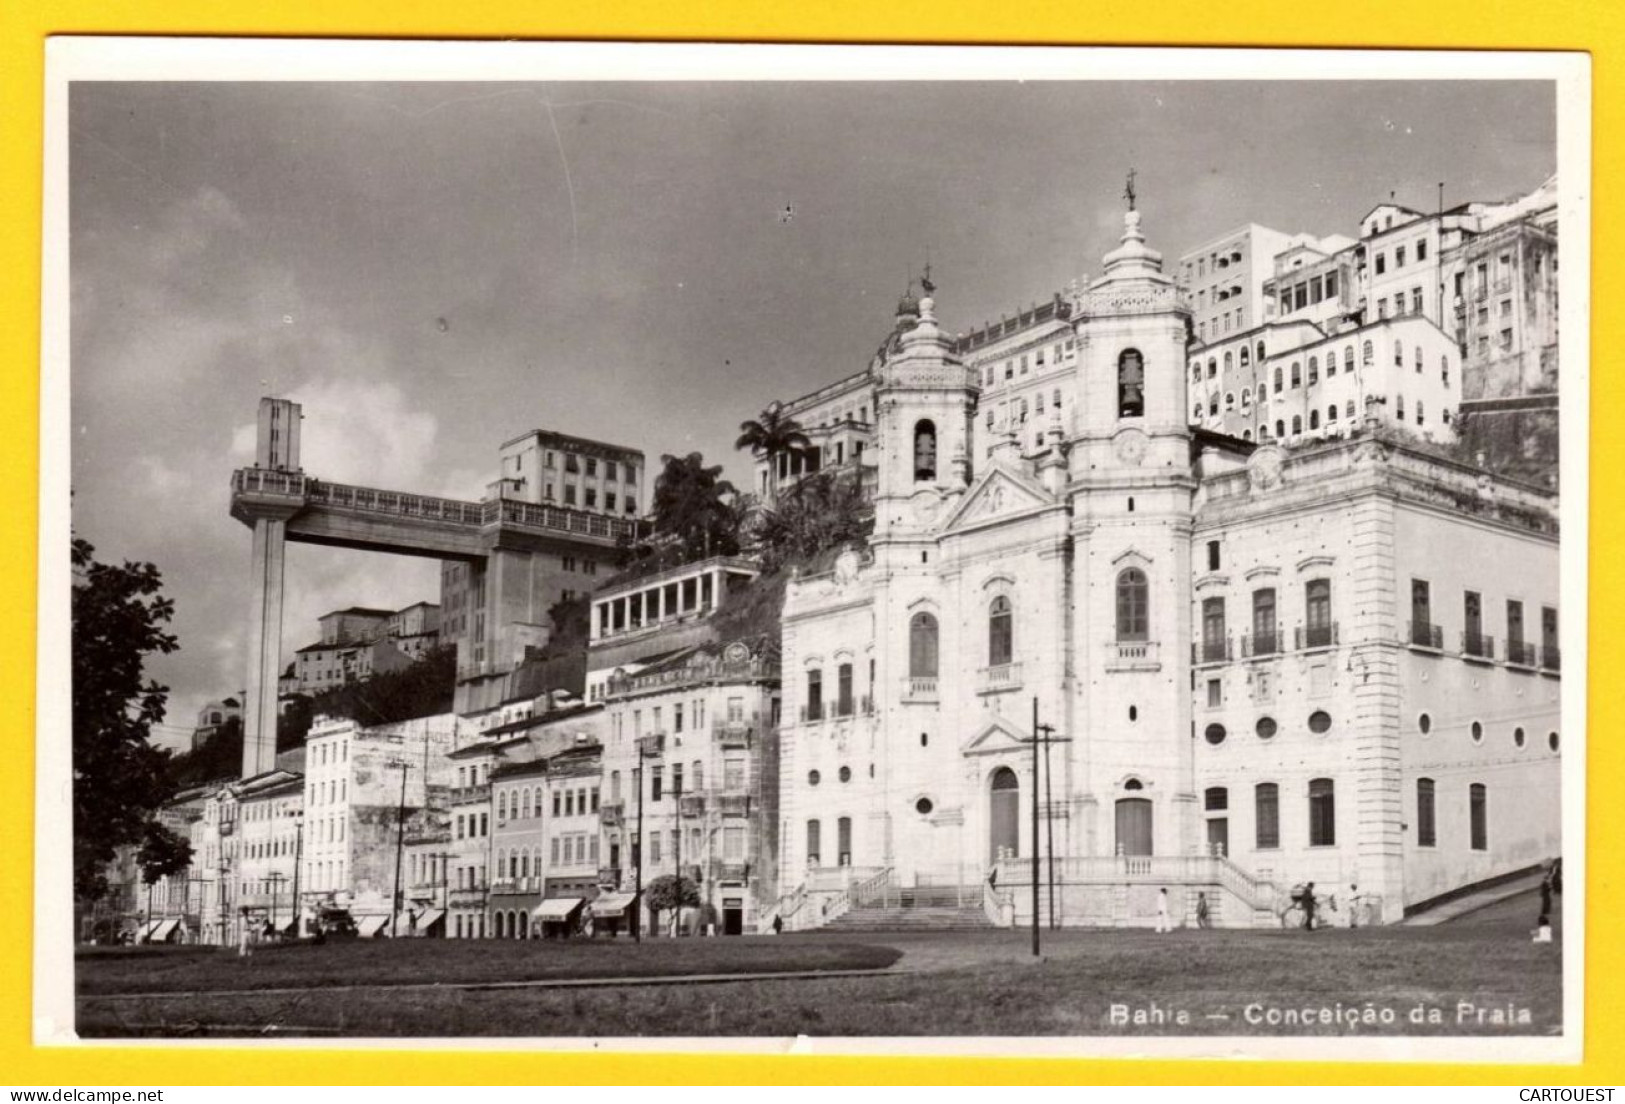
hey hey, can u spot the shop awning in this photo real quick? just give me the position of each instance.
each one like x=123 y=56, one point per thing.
x=145 y=934
x=165 y=929
x=289 y=924
x=429 y=919
x=607 y=906
x=369 y=926
x=556 y=908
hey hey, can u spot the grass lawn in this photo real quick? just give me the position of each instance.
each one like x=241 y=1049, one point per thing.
x=427 y=961
x=945 y=984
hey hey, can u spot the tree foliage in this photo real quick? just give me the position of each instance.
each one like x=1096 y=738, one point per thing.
x=694 y=509
x=820 y=512
x=119 y=778
x=162 y=853
x=666 y=891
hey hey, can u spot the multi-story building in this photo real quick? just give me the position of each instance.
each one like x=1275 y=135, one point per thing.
x=270 y=812
x=1074 y=601
x=213 y=717
x=700 y=729
x=1225 y=277
x=559 y=743
x=358 y=642
x=570 y=797
x=360 y=786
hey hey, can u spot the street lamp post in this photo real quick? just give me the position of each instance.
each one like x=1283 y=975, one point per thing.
x=400 y=850
x=1049 y=823
x=637 y=855
x=276 y=878
x=298 y=863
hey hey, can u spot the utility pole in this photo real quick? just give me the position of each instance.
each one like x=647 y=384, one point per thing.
x=276 y=878
x=400 y=849
x=1034 y=866
x=677 y=845
x=1049 y=822
x=298 y=861
x=637 y=854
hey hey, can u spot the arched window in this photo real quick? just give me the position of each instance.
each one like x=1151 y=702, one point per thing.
x=1314 y=419
x=1419 y=360
x=1212 y=367
x=925 y=450
x=1297 y=424
x=1348 y=359
x=1263 y=431
x=1131 y=384
x=1280 y=428
x=1229 y=400
x=1277 y=381
x=1322 y=813
x=1420 y=419
x=1399 y=353
x=1348 y=409
x=1213 y=405
x=1267 y=815
x=1245 y=358
x=1196 y=412
x=1426 y=830
x=1399 y=408
x=1331 y=413
x=1261 y=352
x=1246 y=435
x=1246 y=398
x=1368 y=353
x=1196 y=372
x=1227 y=362
x=1000 y=638
x=1444 y=370
x=1314 y=369
x=813 y=842
x=1133 y=597
x=922 y=646
x=1297 y=374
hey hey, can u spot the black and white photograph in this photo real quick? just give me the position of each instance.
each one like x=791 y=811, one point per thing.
x=1054 y=551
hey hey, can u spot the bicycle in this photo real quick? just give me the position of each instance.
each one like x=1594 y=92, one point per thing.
x=1292 y=916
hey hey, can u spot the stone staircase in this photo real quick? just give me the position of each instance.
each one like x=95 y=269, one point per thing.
x=906 y=918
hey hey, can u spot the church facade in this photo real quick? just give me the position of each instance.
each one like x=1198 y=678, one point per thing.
x=1166 y=656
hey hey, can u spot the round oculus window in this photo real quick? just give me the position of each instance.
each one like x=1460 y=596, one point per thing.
x=1215 y=734
x=1320 y=721
x=846 y=774
x=924 y=806
x=1478 y=732
x=1265 y=728
x=1424 y=724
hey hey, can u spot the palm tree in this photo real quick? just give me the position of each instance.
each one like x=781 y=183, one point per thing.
x=772 y=435
x=693 y=506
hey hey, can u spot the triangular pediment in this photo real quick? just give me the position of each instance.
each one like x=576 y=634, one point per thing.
x=996 y=735
x=997 y=492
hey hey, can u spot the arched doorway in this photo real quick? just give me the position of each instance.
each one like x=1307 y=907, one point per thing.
x=1134 y=826
x=1004 y=815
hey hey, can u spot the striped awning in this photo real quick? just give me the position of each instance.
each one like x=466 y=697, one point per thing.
x=609 y=905
x=369 y=926
x=556 y=908
x=163 y=931
x=428 y=919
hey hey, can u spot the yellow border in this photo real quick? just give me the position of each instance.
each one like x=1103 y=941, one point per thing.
x=1592 y=25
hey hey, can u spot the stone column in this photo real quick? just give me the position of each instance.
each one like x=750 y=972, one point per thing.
x=264 y=645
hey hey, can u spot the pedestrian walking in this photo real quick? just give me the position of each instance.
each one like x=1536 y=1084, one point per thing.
x=1163 y=923
x=243 y=945
x=1202 y=920
x=1309 y=907
x=778 y=924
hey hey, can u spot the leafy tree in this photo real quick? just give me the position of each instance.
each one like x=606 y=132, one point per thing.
x=119 y=778
x=693 y=507
x=162 y=853
x=666 y=891
x=821 y=512
x=771 y=435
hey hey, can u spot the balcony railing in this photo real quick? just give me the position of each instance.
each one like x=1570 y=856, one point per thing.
x=734 y=734
x=1477 y=646
x=1316 y=636
x=652 y=745
x=845 y=707
x=733 y=805
x=999 y=678
x=1260 y=644
x=1551 y=658
x=812 y=712
x=1133 y=655
x=468 y=895
x=733 y=872
x=1521 y=653
x=922 y=688
x=691 y=805
x=463 y=795
x=1211 y=651
x=1424 y=634
x=611 y=814
x=609 y=876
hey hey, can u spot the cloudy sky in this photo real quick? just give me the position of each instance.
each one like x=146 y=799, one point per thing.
x=432 y=269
